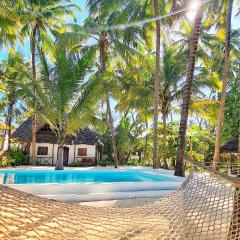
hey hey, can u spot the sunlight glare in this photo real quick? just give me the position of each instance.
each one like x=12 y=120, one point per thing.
x=193 y=8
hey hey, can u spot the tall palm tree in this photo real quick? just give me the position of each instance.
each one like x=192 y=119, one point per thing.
x=41 y=20
x=13 y=75
x=238 y=157
x=65 y=101
x=156 y=162
x=9 y=22
x=179 y=170
x=224 y=84
x=103 y=14
x=171 y=86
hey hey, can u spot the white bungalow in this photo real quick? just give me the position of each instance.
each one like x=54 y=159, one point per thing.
x=84 y=147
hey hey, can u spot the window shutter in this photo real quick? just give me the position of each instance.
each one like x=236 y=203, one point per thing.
x=82 y=151
x=42 y=151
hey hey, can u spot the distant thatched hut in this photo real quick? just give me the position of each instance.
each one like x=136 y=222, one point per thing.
x=231 y=146
x=85 y=146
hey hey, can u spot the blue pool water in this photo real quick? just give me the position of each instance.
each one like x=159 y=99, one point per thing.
x=85 y=176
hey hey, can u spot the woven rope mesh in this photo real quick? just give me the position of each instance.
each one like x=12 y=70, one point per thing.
x=204 y=207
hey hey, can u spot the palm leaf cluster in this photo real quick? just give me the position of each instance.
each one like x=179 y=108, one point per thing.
x=131 y=83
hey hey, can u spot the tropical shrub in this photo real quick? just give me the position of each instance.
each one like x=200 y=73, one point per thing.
x=18 y=157
x=75 y=164
x=5 y=161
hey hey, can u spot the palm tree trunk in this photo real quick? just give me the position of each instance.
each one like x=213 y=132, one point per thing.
x=224 y=85
x=34 y=122
x=164 y=119
x=103 y=46
x=238 y=156
x=8 y=131
x=112 y=134
x=156 y=162
x=179 y=169
x=9 y=125
x=59 y=162
x=234 y=229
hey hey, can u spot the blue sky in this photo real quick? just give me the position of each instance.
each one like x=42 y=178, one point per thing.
x=26 y=48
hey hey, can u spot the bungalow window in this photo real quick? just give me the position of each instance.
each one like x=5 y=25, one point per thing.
x=42 y=151
x=82 y=151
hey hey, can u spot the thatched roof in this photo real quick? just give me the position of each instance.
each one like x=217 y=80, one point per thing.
x=230 y=147
x=45 y=135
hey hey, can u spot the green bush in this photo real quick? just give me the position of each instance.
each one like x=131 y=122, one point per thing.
x=18 y=157
x=102 y=163
x=134 y=162
x=75 y=164
x=6 y=161
x=105 y=162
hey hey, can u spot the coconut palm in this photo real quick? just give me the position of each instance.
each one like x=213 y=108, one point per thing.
x=64 y=100
x=171 y=86
x=179 y=170
x=41 y=20
x=103 y=14
x=9 y=22
x=224 y=84
x=156 y=162
x=14 y=74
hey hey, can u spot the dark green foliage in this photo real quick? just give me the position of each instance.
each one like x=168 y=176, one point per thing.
x=75 y=164
x=231 y=113
x=18 y=157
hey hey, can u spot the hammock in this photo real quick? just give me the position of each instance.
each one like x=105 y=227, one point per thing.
x=205 y=207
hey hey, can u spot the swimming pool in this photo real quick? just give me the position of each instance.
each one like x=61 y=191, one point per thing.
x=85 y=176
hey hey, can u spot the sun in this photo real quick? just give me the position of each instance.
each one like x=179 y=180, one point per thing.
x=193 y=7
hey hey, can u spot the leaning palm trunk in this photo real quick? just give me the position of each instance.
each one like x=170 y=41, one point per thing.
x=156 y=162
x=224 y=86
x=179 y=170
x=164 y=119
x=103 y=46
x=34 y=122
x=234 y=229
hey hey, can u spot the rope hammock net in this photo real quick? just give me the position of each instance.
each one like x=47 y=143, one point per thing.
x=206 y=206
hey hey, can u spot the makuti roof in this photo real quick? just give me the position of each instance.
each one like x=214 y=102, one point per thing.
x=231 y=146
x=46 y=135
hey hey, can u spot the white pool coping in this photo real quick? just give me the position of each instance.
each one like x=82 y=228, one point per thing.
x=88 y=192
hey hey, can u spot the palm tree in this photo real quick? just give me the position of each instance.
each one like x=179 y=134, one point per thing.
x=156 y=162
x=103 y=13
x=14 y=74
x=41 y=20
x=179 y=170
x=171 y=86
x=65 y=101
x=9 y=22
x=224 y=84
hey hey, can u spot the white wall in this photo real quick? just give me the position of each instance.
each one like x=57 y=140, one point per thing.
x=91 y=149
x=50 y=150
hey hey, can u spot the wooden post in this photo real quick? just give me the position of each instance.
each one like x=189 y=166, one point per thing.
x=74 y=152
x=191 y=157
x=53 y=154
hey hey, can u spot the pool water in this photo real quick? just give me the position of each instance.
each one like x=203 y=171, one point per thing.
x=82 y=176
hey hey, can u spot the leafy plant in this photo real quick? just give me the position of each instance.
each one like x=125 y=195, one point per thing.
x=18 y=157
x=75 y=164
